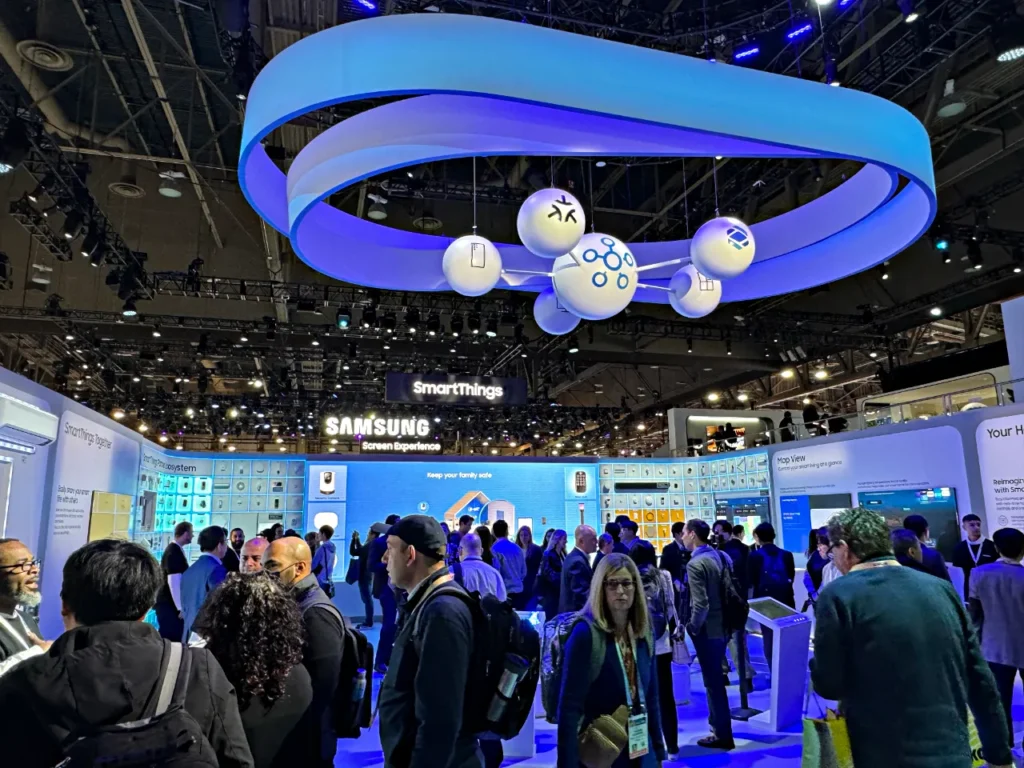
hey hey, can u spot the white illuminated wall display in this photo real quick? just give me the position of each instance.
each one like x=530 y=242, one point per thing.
x=335 y=426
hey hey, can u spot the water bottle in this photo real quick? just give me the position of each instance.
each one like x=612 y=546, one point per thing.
x=515 y=669
x=359 y=689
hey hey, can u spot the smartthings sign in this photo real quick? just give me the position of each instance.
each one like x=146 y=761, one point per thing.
x=443 y=389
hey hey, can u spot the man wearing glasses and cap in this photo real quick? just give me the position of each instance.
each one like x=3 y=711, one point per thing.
x=421 y=699
x=19 y=592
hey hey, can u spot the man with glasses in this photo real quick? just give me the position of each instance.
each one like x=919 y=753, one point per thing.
x=19 y=593
x=312 y=743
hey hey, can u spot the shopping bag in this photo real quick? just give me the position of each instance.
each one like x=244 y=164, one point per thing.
x=680 y=651
x=352 y=576
x=826 y=742
x=977 y=761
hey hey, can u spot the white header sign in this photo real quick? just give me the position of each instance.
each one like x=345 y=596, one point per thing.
x=371 y=426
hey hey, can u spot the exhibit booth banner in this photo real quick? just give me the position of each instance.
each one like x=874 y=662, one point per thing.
x=94 y=476
x=1001 y=464
x=914 y=472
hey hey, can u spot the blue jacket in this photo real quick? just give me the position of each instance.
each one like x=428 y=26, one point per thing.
x=585 y=696
x=201 y=578
x=325 y=559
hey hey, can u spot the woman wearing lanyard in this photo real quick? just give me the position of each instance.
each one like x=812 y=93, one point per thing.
x=609 y=696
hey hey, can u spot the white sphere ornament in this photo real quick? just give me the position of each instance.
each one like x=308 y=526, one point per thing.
x=550 y=316
x=471 y=265
x=722 y=248
x=550 y=223
x=692 y=294
x=597 y=279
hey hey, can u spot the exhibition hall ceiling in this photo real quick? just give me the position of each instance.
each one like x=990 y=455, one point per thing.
x=140 y=101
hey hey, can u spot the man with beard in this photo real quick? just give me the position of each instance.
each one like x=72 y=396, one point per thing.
x=19 y=592
x=233 y=557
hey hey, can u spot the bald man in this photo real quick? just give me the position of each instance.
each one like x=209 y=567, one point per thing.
x=577 y=572
x=313 y=741
x=251 y=558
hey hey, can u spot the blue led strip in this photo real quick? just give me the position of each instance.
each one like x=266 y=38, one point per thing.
x=574 y=96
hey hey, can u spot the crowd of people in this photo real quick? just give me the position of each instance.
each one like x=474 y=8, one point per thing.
x=259 y=676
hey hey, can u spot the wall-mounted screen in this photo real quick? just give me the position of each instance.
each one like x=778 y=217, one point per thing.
x=801 y=513
x=936 y=505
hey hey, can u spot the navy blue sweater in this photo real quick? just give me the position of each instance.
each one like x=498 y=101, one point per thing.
x=581 y=702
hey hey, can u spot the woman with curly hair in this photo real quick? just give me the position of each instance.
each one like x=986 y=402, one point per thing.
x=253 y=628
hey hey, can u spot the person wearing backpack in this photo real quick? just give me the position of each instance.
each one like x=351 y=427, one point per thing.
x=313 y=743
x=422 y=701
x=705 y=579
x=661 y=607
x=770 y=573
x=609 y=697
x=109 y=669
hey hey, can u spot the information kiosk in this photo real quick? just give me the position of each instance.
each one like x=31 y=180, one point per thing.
x=792 y=637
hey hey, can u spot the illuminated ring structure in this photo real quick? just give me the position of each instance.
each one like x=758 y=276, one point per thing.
x=485 y=87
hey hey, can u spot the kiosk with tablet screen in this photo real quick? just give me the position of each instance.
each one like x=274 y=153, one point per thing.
x=792 y=638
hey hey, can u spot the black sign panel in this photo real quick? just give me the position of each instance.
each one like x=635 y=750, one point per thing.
x=442 y=389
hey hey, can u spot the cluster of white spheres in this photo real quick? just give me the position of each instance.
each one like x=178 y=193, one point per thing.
x=594 y=276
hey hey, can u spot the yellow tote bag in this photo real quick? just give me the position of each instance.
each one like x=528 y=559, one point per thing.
x=826 y=742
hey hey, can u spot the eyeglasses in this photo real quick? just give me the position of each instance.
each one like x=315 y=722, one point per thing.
x=615 y=585
x=23 y=567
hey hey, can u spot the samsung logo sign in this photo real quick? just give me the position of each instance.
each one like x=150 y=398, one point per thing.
x=457 y=389
x=371 y=426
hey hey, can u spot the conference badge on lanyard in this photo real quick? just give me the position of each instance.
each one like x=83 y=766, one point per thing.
x=636 y=725
x=637 y=735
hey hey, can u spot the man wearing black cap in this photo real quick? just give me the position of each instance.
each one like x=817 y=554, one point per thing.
x=421 y=699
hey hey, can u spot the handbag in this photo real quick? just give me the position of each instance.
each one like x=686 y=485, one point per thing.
x=601 y=742
x=680 y=652
x=826 y=742
x=977 y=759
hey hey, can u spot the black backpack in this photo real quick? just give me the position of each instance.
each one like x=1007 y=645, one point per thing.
x=501 y=641
x=735 y=609
x=774 y=581
x=352 y=709
x=166 y=736
x=556 y=635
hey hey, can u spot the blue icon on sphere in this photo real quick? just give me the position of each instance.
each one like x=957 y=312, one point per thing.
x=613 y=262
x=738 y=238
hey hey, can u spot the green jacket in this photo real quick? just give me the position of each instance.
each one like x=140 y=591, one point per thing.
x=897 y=649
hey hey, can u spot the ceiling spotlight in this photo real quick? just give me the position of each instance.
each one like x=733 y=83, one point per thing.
x=118 y=414
x=315 y=343
x=389 y=322
x=73 y=223
x=456 y=325
x=713 y=397
x=872 y=354
x=907 y=9
x=129 y=310
x=883 y=270
x=163 y=438
x=788 y=373
x=343 y=318
x=820 y=374
x=689 y=346
x=257 y=383
x=728 y=347
x=952 y=103
x=369 y=316
x=935 y=311
x=233 y=413
x=806 y=401
x=90 y=242
x=473 y=322
x=574 y=344
x=1009 y=42
x=433 y=324
x=243 y=338
x=169 y=186
x=143 y=428
x=742 y=397
x=492 y=328
x=156 y=331
x=974 y=254
x=231 y=448
x=377 y=211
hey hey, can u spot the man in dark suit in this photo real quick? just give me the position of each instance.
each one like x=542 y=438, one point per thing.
x=235 y=539
x=384 y=592
x=930 y=558
x=203 y=576
x=576 y=571
x=973 y=551
x=675 y=556
x=770 y=573
x=737 y=551
x=615 y=531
